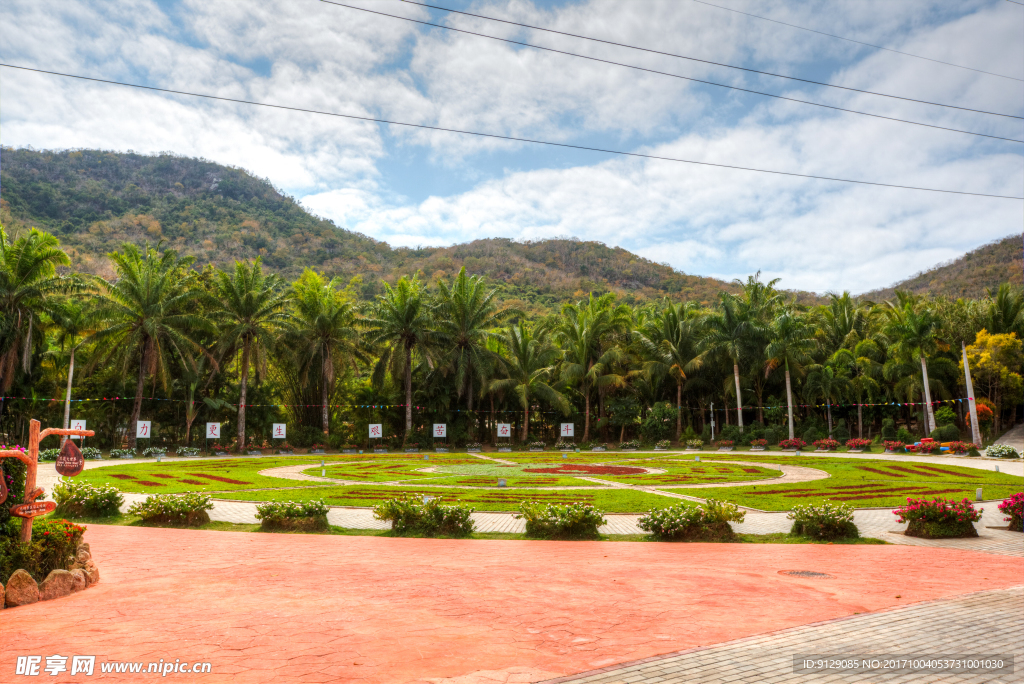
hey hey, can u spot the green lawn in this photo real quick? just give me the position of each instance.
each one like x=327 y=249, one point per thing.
x=867 y=483
x=193 y=476
x=688 y=472
x=610 y=500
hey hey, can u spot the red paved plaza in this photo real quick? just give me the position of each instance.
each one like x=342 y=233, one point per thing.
x=303 y=608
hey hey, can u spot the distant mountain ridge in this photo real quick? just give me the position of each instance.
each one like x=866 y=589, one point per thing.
x=968 y=276
x=95 y=200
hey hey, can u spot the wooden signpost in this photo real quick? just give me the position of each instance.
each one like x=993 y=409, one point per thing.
x=70 y=461
x=30 y=507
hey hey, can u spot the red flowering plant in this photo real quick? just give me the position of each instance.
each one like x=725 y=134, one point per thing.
x=939 y=518
x=723 y=443
x=962 y=447
x=893 y=445
x=928 y=446
x=1013 y=508
x=858 y=443
x=792 y=443
x=759 y=442
x=826 y=444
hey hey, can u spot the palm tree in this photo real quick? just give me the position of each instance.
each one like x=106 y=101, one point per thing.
x=324 y=337
x=28 y=277
x=669 y=341
x=912 y=335
x=71 y=323
x=587 y=333
x=827 y=383
x=251 y=309
x=791 y=344
x=729 y=335
x=1005 y=312
x=529 y=368
x=463 y=314
x=147 y=314
x=399 y=323
x=842 y=323
x=865 y=365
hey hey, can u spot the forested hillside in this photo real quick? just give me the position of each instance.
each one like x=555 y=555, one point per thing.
x=95 y=200
x=971 y=275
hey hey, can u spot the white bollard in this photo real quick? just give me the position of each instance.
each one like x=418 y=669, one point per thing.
x=977 y=495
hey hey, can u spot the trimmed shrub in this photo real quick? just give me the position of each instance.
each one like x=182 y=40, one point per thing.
x=945 y=416
x=945 y=433
x=686 y=522
x=1001 y=451
x=811 y=435
x=48 y=454
x=904 y=435
x=79 y=499
x=53 y=545
x=825 y=522
x=560 y=521
x=759 y=442
x=175 y=509
x=1013 y=508
x=537 y=445
x=841 y=433
x=939 y=518
x=288 y=515
x=795 y=443
x=722 y=443
x=431 y=519
x=888 y=429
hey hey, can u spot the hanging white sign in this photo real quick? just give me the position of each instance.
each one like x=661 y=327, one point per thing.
x=280 y=430
x=567 y=430
x=440 y=430
x=143 y=428
x=78 y=425
x=376 y=430
x=213 y=431
x=504 y=429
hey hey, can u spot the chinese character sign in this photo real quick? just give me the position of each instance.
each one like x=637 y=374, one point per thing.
x=143 y=428
x=280 y=431
x=376 y=430
x=567 y=430
x=504 y=429
x=213 y=431
x=440 y=430
x=78 y=425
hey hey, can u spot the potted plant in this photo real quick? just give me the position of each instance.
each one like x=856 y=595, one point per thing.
x=537 y=446
x=565 y=445
x=380 y=449
x=856 y=446
x=758 y=444
x=927 y=446
x=474 y=446
x=285 y=448
x=694 y=444
x=599 y=447
x=826 y=444
x=893 y=446
x=724 y=445
x=792 y=444
x=350 y=449
x=441 y=448
x=662 y=445
x=412 y=447
x=631 y=445
x=317 y=448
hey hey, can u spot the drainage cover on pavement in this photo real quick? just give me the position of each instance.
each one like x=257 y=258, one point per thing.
x=806 y=573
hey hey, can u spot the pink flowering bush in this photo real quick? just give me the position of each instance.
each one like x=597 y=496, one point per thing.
x=939 y=518
x=928 y=446
x=827 y=444
x=759 y=442
x=858 y=443
x=893 y=445
x=962 y=447
x=1013 y=508
x=722 y=443
x=792 y=443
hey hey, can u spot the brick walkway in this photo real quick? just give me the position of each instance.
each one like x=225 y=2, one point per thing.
x=984 y=623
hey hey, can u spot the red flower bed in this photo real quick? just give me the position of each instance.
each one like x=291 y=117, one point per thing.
x=880 y=472
x=164 y=476
x=148 y=483
x=219 y=479
x=193 y=482
x=122 y=476
x=946 y=472
x=570 y=469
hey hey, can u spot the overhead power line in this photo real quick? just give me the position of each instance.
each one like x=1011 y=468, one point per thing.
x=879 y=47
x=665 y=73
x=503 y=137
x=708 y=61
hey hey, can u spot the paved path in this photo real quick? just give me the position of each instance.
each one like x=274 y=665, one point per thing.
x=1014 y=437
x=984 y=623
x=265 y=608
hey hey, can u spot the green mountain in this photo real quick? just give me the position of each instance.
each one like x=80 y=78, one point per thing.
x=969 y=276
x=95 y=200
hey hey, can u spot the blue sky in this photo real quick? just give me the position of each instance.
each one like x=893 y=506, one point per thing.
x=415 y=187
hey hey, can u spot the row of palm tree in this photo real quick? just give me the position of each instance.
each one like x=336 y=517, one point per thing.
x=161 y=320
